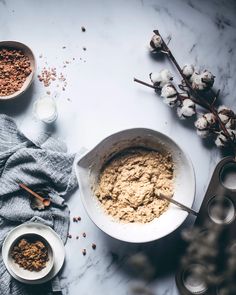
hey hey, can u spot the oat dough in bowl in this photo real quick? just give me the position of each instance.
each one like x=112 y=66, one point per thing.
x=120 y=180
x=130 y=183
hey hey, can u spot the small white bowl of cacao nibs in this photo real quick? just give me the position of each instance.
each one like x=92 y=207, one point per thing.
x=30 y=257
x=17 y=68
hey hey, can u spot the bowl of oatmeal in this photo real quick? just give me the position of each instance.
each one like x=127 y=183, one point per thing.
x=121 y=181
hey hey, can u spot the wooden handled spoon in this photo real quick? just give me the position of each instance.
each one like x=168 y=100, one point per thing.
x=46 y=202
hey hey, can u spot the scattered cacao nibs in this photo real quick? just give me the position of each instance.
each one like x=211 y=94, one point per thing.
x=94 y=246
x=84 y=235
x=63 y=47
x=77 y=237
x=79 y=218
x=62 y=78
x=48 y=92
x=84 y=252
x=84 y=48
x=69 y=236
x=30 y=254
x=83 y=29
x=47 y=76
x=14 y=69
x=75 y=219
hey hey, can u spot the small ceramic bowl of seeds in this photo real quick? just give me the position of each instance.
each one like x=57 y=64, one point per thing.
x=30 y=257
x=17 y=68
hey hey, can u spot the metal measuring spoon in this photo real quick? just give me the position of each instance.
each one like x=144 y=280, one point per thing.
x=183 y=207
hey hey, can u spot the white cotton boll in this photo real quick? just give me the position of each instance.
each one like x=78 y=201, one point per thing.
x=166 y=75
x=201 y=123
x=211 y=119
x=221 y=140
x=231 y=124
x=180 y=113
x=207 y=77
x=188 y=103
x=232 y=133
x=168 y=91
x=156 y=42
x=169 y=94
x=203 y=133
x=155 y=78
x=188 y=70
x=197 y=82
x=171 y=102
x=187 y=109
x=193 y=76
x=222 y=107
x=161 y=78
x=226 y=116
x=204 y=123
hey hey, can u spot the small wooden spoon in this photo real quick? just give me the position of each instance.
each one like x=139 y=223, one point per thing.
x=46 y=202
x=183 y=207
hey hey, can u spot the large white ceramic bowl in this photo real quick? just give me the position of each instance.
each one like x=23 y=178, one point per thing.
x=88 y=168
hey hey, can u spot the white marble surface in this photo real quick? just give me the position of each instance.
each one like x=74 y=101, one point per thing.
x=104 y=99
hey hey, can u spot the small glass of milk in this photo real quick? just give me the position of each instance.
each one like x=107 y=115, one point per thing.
x=45 y=109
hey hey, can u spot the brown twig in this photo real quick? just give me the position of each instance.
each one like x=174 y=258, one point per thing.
x=215 y=97
x=144 y=83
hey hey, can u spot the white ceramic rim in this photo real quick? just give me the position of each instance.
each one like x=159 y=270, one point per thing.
x=113 y=233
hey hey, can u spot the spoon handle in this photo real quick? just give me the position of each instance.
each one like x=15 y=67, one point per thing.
x=31 y=192
x=185 y=208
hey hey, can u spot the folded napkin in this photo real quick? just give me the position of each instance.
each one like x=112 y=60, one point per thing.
x=43 y=163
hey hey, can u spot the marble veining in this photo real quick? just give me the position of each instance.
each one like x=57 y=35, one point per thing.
x=101 y=98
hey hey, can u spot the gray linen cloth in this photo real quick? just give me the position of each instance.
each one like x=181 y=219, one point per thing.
x=42 y=163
